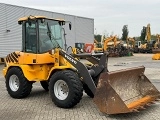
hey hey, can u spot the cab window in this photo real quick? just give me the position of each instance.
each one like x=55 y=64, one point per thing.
x=50 y=36
x=30 y=38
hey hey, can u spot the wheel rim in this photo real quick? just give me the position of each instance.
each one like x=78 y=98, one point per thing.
x=14 y=83
x=61 y=89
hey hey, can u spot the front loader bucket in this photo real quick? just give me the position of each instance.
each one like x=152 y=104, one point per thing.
x=124 y=91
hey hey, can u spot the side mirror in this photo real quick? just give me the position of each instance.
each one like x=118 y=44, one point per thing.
x=70 y=26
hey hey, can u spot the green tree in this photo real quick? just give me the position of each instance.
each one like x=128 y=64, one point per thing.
x=143 y=34
x=125 y=32
x=98 y=37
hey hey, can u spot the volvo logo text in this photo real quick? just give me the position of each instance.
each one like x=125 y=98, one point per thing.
x=70 y=59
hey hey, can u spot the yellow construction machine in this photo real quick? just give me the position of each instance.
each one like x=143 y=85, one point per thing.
x=114 y=47
x=43 y=59
x=156 y=49
x=107 y=40
x=131 y=45
x=98 y=47
x=108 y=45
x=147 y=46
x=157 y=43
x=131 y=41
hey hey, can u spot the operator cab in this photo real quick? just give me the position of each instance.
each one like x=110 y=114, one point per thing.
x=41 y=34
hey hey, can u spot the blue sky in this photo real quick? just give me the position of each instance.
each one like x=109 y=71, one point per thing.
x=109 y=15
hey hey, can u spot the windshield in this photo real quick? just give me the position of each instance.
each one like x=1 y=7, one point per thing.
x=50 y=35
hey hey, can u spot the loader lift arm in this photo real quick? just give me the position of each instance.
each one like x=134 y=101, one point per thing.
x=84 y=72
x=110 y=90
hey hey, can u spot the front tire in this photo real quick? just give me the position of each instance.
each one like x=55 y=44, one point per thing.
x=65 y=89
x=16 y=83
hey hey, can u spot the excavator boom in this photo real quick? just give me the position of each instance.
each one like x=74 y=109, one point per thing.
x=112 y=38
x=148 y=33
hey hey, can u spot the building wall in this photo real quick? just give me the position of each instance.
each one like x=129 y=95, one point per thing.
x=11 y=40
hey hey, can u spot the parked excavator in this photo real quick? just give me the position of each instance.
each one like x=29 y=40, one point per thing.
x=131 y=45
x=156 y=49
x=110 y=45
x=80 y=47
x=43 y=59
x=147 y=46
x=109 y=39
x=98 y=47
x=131 y=41
x=116 y=48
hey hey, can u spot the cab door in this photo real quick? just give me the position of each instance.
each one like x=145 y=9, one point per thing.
x=30 y=43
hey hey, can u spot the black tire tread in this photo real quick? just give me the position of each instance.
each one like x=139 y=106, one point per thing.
x=24 y=89
x=77 y=88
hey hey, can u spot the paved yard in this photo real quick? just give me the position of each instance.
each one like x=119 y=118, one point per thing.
x=38 y=106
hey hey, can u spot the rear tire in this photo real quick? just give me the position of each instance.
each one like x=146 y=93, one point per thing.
x=45 y=85
x=65 y=89
x=16 y=83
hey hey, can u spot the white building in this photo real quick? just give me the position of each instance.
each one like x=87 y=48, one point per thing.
x=11 y=33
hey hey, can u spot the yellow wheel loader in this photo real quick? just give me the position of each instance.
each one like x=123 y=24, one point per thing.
x=43 y=59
